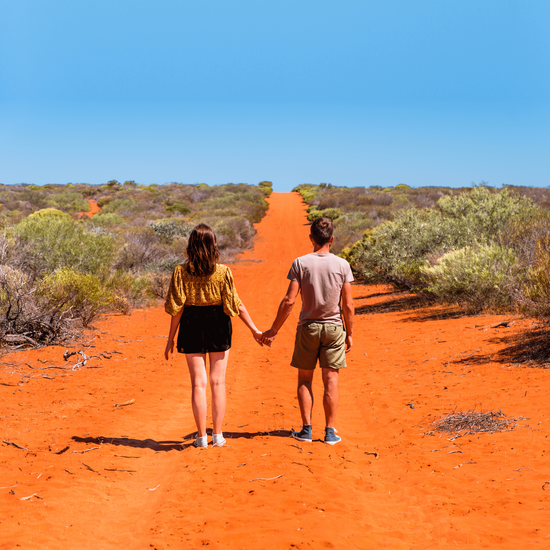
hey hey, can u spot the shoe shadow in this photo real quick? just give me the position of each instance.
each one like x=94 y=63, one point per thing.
x=246 y=435
x=136 y=443
x=163 y=446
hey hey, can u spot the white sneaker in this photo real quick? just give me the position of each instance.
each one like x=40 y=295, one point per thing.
x=218 y=440
x=201 y=442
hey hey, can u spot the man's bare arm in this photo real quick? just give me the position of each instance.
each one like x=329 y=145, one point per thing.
x=285 y=307
x=348 y=311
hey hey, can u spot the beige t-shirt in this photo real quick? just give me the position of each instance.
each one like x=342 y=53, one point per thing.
x=321 y=278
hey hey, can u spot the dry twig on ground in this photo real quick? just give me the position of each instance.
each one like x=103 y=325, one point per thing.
x=472 y=422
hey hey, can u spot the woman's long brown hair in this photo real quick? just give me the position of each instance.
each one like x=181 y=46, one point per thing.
x=202 y=251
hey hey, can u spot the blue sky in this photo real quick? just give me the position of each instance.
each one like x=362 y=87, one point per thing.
x=422 y=92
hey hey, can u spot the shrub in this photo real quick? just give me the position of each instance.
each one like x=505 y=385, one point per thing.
x=83 y=296
x=53 y=240
x=480 y=276
x=118 y=205
x=141 y=247
x=168 y=229
x=26 y=317
x=331 y=213
x=107 y=220
x=266 y=187
x=179 y=207
x=395 y=251
x=129 y=291
x=69 y=201
x=104 y=201
x=308 y=192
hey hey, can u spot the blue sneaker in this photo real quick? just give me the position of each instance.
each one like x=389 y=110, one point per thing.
x=303 y=435
x=330 y=437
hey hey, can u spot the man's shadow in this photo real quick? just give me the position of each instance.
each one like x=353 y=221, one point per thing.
x=171 y=445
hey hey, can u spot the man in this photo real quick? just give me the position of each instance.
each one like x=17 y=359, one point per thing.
x=324 y=281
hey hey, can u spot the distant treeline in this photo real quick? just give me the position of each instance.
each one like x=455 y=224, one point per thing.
x=485 y=248
x=59 y=269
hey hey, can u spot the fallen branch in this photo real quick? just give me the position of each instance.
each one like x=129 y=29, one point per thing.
x=304 y=465
x=130 y=402
x=29 y=497
x=267 y=478
x=62 y=450
x=89 y=468
x=79 y=364
x=86 y=450
x=118 y=470
x=127 y=456
x=16 y=445
x=154 y=488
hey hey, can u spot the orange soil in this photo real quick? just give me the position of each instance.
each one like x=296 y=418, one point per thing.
x=130 y=479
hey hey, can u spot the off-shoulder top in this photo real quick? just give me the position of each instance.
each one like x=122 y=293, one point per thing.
x=209 y=290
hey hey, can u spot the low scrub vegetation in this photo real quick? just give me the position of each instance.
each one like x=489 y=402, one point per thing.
x=60 y=269
x=484 y=248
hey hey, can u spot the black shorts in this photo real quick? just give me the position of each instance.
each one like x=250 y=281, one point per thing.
x=204 y=329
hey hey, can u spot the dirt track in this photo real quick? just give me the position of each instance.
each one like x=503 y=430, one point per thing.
x=139 y=484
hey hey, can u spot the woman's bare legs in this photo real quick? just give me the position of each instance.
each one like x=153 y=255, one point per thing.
x=196 y=363
x=218 y=366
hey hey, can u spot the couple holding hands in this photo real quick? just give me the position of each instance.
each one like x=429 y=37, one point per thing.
x=202 y=299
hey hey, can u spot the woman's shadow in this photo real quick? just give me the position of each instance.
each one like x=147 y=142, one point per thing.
x=171 y=445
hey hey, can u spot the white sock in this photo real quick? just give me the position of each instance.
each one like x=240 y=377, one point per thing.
x=202 y=441
x=217 y=439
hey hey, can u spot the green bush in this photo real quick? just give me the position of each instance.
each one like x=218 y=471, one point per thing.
x=104 y=201
x=83 y=295
x=129 y=291
x=53 y=240
x=107 y=220
x=179 y=207
x=308 y=192
x=170 y=228
x=69 y=201
x=395 y=251
x=480 y=276
x=331 y=213
x=118 y=205
x=266 y=187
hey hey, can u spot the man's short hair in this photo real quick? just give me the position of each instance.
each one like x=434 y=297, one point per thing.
x=322 y=230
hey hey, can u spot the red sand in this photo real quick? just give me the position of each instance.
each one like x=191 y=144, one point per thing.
x=136 y=488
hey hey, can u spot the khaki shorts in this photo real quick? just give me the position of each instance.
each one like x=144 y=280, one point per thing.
x=321 y=341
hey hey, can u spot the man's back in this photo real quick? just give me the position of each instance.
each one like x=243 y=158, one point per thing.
x=321 y=278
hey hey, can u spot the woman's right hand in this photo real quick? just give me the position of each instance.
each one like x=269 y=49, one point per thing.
x=169 y=348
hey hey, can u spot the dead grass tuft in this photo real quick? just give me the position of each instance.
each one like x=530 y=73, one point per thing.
x=472 y=422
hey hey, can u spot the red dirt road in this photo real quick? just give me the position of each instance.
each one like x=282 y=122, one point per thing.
x=130 y=479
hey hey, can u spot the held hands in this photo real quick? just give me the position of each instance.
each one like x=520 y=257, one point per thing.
x=268 y=336
x=257 y=336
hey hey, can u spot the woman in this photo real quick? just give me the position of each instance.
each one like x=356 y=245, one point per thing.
x=202 y=299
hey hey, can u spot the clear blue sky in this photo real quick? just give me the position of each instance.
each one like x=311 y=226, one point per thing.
x=423 y=92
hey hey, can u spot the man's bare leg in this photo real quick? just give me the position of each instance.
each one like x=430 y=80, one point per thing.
x=305 y=395
x=331 y=395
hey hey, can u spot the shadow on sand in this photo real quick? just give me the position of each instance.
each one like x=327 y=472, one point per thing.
x=404 y=301
x=528 y=349
x=160 y=446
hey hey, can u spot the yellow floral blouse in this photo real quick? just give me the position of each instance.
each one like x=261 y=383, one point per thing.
x=209 y=290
